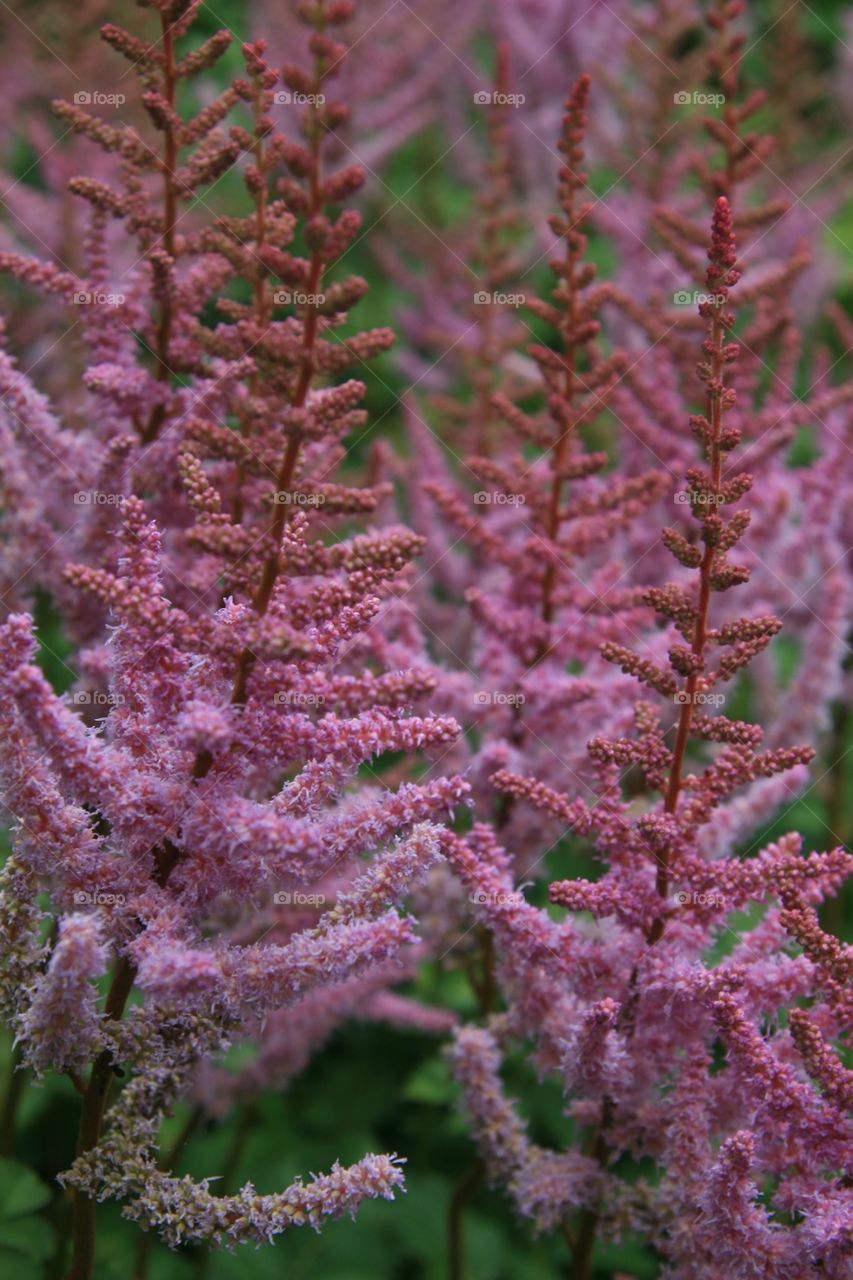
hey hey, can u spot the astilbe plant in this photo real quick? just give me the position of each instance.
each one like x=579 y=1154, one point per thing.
x=222 y=858
x=542 y=534
x=695 y=136
x=657 y=222
x=168 y=842
x=670 y=90
x=795 y=561
x=719 y=1072
x=414 y=57
x=159 y=380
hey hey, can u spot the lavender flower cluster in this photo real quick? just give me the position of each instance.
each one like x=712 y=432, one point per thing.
x=500 y=693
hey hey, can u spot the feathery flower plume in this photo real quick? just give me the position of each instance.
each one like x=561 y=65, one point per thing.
x=208 y=839
x=640 y=995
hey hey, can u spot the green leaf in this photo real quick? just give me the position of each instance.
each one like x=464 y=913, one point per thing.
x=430 y=1083
x=21 y=1191
x=30 y=1238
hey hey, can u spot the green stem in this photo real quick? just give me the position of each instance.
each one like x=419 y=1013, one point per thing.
x=14 y=1092
x=91 y=1117
x=462 y=1193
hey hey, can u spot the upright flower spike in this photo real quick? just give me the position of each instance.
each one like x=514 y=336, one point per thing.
x=641 y=994
x=156 y=222
x=545 y=534
x=711 y=142
x=690 y=612
x=134 y=292
x=171 y=851
x=470 y=329
x=208 y=838
x=577 y=380
x=218 y=840
x=791 y=557
x=292 y=358
x=560 y=372
x=163 y=386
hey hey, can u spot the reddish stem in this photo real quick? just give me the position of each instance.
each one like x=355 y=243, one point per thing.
x=287 y=470
x=558 y=452
x=259 y=291
x=170 y=206
x=91 y=1117
x=700 y=629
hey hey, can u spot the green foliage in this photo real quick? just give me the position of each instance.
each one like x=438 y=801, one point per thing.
x=26 y=1240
